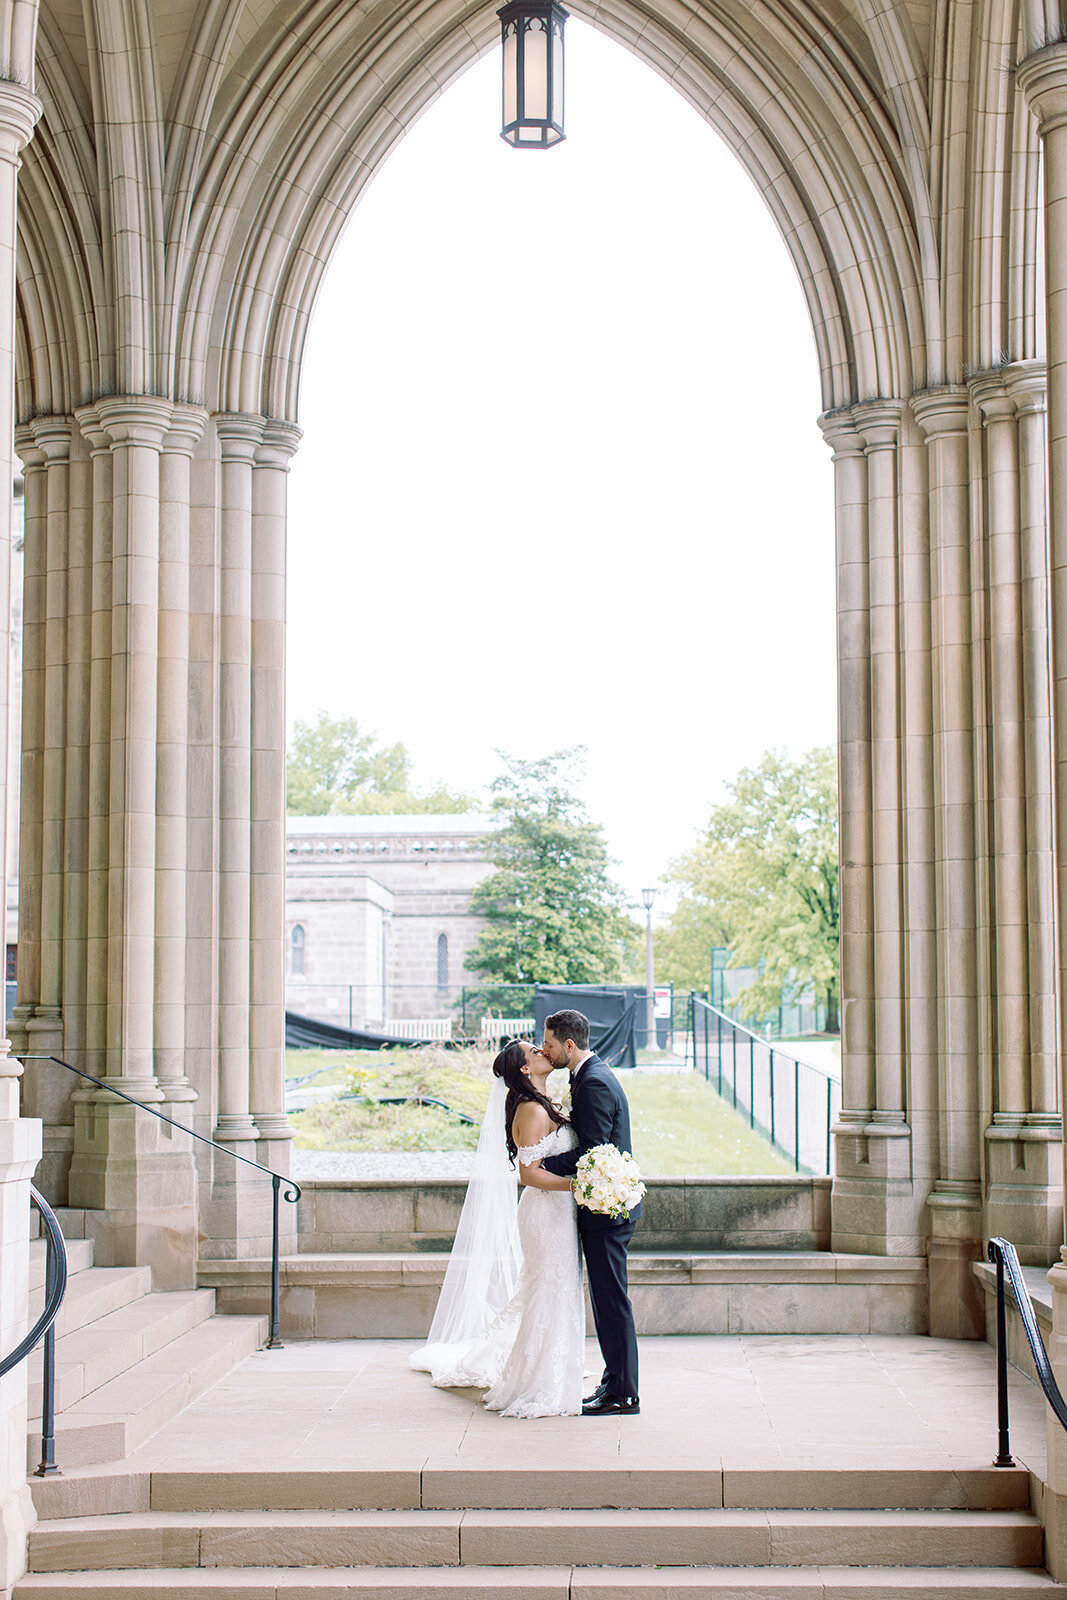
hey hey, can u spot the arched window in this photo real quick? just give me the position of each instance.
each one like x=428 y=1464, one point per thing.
x=442 y=960
x=297 y=951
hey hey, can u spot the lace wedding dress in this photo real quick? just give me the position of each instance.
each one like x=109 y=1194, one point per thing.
x=530 y=1359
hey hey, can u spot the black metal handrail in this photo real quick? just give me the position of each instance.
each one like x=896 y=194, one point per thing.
x=1005 y=1258
x=55 y=1278
x=292 y=1191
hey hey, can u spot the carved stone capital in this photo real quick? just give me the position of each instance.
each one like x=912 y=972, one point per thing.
x=186 y=429
x=134 y=420
x=989 y=391
x=941 y=411
x=878 y=423
x=44 y=440
x=1042 y=80
x=19 y=112
x=1027 y=383
x=840 y=433
x=240 y=434
x=280 y=441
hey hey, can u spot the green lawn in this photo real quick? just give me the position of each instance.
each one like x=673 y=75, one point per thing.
x=680 y=1126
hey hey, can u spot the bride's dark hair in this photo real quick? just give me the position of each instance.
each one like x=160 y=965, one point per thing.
x=508 y=1065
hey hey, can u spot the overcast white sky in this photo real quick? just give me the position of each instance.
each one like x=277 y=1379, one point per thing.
x=561 y=481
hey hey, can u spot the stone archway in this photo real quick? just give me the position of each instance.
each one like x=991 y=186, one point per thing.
x=179 y=204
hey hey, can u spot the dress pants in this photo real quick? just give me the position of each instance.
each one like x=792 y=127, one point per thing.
x=605 y=1262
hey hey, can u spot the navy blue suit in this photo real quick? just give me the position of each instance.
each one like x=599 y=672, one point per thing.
x=600 y=1115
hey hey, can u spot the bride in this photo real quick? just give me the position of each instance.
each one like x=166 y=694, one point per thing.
x=511 y=1316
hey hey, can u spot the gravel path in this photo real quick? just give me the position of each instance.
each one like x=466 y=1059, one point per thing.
x=333 y=1164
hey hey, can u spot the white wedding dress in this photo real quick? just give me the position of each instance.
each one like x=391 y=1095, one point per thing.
x=530 y=1358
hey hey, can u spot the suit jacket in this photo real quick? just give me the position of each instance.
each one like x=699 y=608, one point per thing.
x=599 y=1115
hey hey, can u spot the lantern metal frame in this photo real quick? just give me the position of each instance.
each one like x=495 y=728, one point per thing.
x=537 y=125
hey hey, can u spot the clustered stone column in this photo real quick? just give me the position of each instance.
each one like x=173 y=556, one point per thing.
x=1042 y=78
x=153 y=833
x=20 y=1136
x=950 y=1115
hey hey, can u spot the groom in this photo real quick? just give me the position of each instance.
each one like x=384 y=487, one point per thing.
x=599 y=1115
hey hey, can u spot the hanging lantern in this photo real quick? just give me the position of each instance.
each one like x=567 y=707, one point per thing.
x=533 y=73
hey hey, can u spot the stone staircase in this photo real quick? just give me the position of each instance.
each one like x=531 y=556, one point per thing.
x=127 y=1360
x=774 y=1534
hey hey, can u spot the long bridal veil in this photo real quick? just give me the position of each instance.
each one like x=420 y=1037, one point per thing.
x=483 y=1269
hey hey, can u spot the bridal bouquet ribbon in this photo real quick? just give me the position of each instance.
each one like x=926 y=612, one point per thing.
x=608 y=1181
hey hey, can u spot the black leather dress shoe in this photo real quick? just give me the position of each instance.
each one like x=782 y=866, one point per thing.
x=598 y=1394
x=612 y=1405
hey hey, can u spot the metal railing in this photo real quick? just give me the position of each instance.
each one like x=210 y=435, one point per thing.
x=1005 y=1258
x=791 y=1102
x=292 y=1189
x=55 y=1285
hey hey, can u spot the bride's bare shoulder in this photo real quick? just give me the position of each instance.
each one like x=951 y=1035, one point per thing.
x=530 y=1123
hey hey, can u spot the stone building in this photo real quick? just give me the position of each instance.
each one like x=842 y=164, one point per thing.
x=173 y=180
x=377 y=916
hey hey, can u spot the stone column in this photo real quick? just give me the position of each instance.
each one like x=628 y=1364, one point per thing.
x=1024 y=1194
x=98 y=833
x=237 y=1217
x=267 y=899
x=37 y=1025
x=134 y=1172
x=955 y=1201
x=873 y=1207
x=20 y=1142
x=1025 y=382
x=854 y=774
x=172 y=753
x=1042 y=79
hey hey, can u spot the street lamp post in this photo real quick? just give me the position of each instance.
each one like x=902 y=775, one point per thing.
x=647 y=897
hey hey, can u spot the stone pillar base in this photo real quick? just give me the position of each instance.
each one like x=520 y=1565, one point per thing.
x=237 y=1204
x=957 y=1306
x=1054 y=1501
x=874 y=1207
x=1024 y=1199
x=20 y=1147
x=46 y=1093
x=137 y=1179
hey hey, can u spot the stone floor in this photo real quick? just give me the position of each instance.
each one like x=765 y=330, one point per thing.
x=748 y=1401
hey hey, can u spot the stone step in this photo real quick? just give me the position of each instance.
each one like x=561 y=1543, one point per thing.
x=94 y=1355
x=79 y=1259
x=1008 y=1539
x=422 y=1486
x=544 y=1583
x=117 y=1417
x=94 y=1293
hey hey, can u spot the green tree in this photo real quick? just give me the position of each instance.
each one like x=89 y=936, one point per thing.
x=553 y=913
x=763 y=879
x=685 y=937
x=335 y=768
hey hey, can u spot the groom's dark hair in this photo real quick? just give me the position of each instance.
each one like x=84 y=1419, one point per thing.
x=570 y=1025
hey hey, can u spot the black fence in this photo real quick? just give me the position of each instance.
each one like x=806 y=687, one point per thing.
x=791 y=1102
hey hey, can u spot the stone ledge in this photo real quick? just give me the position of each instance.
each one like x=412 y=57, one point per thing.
x=679 y=1214
x=380 y=1295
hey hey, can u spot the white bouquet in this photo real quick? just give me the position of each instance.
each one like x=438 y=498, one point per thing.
x=608 y=1181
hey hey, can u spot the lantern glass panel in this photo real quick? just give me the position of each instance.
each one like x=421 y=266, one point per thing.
x=535 y=70
x=557 y=75
x=511 y=51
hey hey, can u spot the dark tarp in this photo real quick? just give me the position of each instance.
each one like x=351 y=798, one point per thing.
x=304 y=1033
x=611 y=1013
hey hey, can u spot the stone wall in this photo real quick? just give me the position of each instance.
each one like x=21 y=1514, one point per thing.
x=679 y=1214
